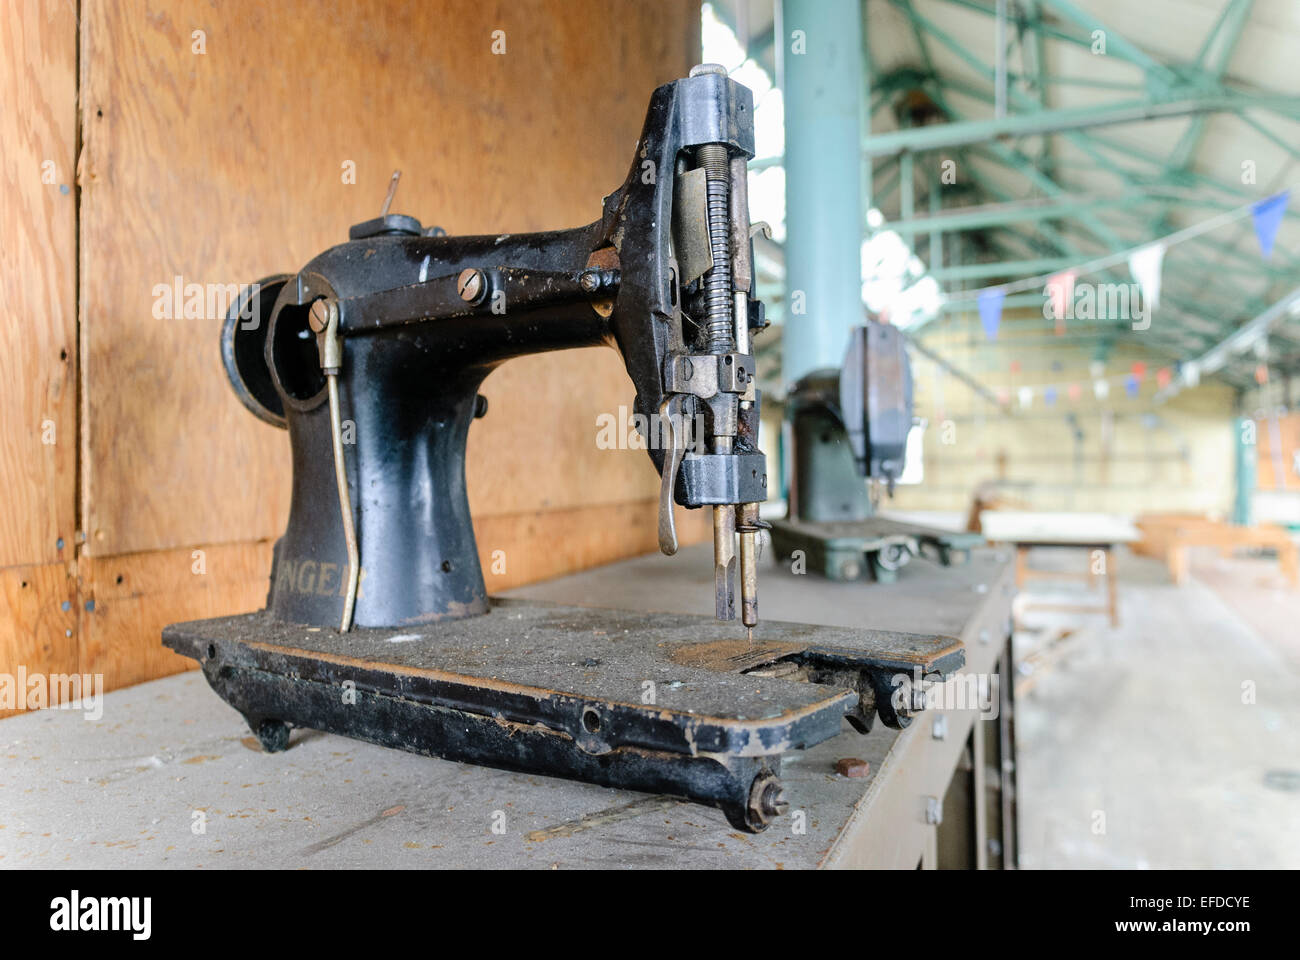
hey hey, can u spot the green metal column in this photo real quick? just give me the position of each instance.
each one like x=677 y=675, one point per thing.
x=1247 y=459
x=824 y=82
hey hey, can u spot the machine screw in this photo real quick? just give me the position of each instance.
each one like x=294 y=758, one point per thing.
x=852 y=767
x=318 y=318
x=470 y=285
x=589 y=281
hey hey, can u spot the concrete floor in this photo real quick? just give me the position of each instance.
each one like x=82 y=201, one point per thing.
x=1135 y=746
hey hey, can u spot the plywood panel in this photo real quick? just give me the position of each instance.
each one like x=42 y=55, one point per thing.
x=227 y=165
x=516 y=549
x=38 y=623
x=38 y=349
x=1280 y=447
x=128 y=600
x=125 y=601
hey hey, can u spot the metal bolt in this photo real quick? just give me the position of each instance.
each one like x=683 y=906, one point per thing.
x=852 y=767
x=589 y=281
x=470 y=284
x=318 y=318
x=701 y=69
x=933 y=811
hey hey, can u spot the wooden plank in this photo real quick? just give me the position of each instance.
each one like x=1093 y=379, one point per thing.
x=227 y=165
x=525 y=548
x=38 y=348
x=37 y=635
x=129 y=599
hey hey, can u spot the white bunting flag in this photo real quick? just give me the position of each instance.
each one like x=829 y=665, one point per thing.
x=1145 y=264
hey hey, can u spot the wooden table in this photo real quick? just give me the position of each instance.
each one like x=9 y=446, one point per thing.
x=1168 y=536
x=1026 y=529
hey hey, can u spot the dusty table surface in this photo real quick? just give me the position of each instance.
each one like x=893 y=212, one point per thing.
x=170 y=776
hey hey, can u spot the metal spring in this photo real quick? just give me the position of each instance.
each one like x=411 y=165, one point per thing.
x=717 y=281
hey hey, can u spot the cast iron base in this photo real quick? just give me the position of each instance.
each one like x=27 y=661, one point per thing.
x=649 y=702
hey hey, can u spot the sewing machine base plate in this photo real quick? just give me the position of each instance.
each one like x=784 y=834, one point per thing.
x=846 y=549
x=662 y=703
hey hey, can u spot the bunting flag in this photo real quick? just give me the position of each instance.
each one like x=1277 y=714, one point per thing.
x=991 y=310
x=1191 y=371
x=1096 y=368
x=1073 y=391
x=1145 y=264
x=1261 y=374
x=1026 y=395
x=1060 y=294
x=1004 y=398
x=1163 y=376
x=1131 y=385
x=1049 y=396
x=1015 y=366
x=1101 y=389
x=1139 y=370
x=1267 y=215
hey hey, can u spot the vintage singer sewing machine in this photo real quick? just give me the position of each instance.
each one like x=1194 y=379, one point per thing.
x=378 y=625
x=848 y=430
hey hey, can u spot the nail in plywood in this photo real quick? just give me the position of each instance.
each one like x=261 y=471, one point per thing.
x=38 y=348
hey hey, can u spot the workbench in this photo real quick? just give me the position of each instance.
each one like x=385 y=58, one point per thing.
x=171 y=777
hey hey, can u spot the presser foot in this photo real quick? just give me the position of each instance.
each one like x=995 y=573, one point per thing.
x=646 y=702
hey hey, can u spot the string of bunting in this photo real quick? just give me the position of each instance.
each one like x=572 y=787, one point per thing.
x=1145 y=263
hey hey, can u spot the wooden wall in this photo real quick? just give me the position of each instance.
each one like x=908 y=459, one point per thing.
x=222 y=142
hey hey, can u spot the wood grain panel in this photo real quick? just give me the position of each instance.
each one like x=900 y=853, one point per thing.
x=38 y=442
x=551 y=543
x=128 y=600
x=1268 y=476
x=37 y=635
x=227 y=165
x=125 y=601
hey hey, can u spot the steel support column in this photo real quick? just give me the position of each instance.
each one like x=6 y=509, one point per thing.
x=824 y=90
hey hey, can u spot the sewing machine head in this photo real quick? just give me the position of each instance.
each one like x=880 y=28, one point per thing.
x=372 y=355
x=850 y=424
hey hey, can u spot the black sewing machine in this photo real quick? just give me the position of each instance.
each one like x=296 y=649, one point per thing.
x=848 y=431
x=378 y=625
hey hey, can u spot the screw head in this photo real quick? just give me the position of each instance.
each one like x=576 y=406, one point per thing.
x=318 y=318
x=700 y=69
x=589 y=281
x=470 y=284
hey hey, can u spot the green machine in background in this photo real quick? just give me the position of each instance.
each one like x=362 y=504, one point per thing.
x=848 y=430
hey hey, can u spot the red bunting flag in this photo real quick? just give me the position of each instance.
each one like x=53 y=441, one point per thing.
x=1163 y=376
x=1139 y=369
x=1060 y=294
x=1073 y=391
